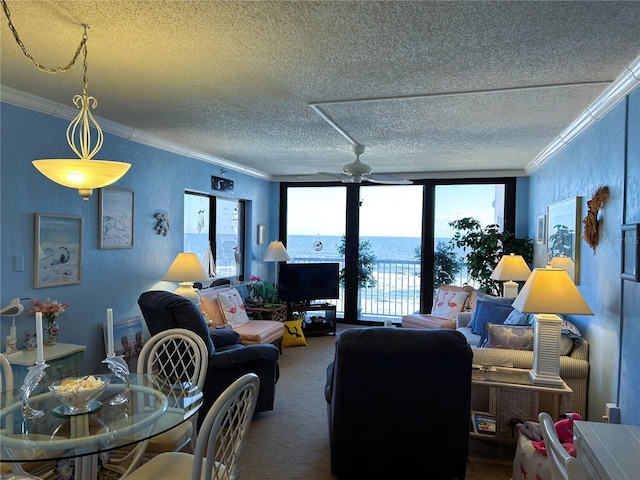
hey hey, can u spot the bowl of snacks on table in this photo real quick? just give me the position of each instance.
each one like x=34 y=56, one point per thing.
x=79 y=395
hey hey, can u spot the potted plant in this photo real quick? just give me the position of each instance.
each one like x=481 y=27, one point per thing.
x=366 y=263
x=484 y=247
x=446 y=264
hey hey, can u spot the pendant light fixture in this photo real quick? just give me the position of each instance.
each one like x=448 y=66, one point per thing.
x=83 y=173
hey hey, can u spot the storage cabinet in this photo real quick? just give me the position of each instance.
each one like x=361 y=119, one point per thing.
x=319 y=318
x=64 y=360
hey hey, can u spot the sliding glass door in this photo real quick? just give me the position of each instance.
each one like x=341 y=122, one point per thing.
x=392 y=241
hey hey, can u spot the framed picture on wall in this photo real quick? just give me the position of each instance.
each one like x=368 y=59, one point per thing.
x=563 y=236
x=57 y=258
x=115 y=218
x=262 y=234
x=541 y=233
x=631 y=252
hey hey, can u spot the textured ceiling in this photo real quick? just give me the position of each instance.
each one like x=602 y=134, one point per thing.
x=235 y=79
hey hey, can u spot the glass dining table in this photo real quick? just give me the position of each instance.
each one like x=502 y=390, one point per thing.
x=149 y=411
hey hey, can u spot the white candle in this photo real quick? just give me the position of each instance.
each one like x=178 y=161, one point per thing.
x=111 y=352
x=39 y=336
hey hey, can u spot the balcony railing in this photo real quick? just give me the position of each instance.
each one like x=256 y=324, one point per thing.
x=396 y=293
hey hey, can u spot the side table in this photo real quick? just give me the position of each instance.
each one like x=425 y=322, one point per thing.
x=64 y=360
x=512 y=398
x=267 y=311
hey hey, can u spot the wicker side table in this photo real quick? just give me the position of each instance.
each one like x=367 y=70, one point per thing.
x=512 y=398
x=267 y=311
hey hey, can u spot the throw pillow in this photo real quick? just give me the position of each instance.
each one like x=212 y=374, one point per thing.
x=514 y=337
x=232 y=307
x=210 y=307
x=490 y=309
x=516 y=317
x=293 y=334
x=448 y=303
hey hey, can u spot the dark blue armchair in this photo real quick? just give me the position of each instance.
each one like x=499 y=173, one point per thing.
x=228 y=358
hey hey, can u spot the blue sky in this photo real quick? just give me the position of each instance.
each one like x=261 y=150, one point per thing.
x=394 y=210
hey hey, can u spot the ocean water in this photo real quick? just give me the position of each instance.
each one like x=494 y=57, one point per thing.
x=323 y=248
x=399 y=249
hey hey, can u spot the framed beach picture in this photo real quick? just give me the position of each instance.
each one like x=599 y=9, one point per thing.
x=129 y=336
x=115 y=218
x=57 y=258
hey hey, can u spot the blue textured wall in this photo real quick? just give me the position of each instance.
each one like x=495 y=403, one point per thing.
x=110 y=278
x=598 y=157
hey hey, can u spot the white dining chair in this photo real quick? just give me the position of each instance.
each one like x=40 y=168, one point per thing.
x=221 y=440
x=561 y=465
x=178 y=359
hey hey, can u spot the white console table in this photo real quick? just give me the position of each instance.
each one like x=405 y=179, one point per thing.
x=608 y=451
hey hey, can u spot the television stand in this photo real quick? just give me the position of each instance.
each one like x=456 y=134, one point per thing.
x=321 y=320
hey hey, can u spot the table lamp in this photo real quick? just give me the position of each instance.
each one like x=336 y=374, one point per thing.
x=565 y=263
x=548 y=292
x=186 y=269
x=510 y=268
x=276 y=253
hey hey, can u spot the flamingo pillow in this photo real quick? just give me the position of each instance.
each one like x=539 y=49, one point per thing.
x=448 y=303
x=232 y=307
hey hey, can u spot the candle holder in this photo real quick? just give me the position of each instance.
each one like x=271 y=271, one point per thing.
x=120 y=369
x=34 y=375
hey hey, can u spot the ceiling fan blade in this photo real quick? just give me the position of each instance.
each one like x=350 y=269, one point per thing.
x=387 y=179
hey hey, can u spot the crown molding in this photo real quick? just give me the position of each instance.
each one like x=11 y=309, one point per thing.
x=42 y=105
x=623 y=84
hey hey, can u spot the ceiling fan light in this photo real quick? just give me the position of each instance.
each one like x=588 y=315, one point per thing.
x=82 y=174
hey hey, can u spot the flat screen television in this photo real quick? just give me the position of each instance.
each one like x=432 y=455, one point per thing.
x=306 y=282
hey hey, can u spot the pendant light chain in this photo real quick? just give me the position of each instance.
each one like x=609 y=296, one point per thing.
x=84 y=173
x=41 y=67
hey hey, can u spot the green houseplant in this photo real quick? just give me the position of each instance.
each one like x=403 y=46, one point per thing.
x=446 y=264
x=366 y=263
x=484 y=247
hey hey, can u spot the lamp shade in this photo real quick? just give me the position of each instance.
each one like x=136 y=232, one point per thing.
x=82 y=174
x=551 y=290
x=276 y=253
x=511 y=267
x=186 y=268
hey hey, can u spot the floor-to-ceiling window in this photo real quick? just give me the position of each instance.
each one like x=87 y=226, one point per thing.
x=214 y=231
x=394 y=238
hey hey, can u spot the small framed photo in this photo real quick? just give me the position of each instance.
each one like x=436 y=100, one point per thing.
x=115 y=218
x=541 y=232
x=631 y=252
x=483 y=423
x=57 y=257
x=262 y=234
x=129 y=336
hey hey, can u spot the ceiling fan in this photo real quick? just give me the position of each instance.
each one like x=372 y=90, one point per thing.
x=357 y=171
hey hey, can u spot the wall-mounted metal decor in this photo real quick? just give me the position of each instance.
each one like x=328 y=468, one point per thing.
x=221 y=184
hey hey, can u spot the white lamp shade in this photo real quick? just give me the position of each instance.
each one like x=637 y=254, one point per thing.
x=276 y=253
x=186 y=268
x=551 y=290
x=83 y=174
x=511 y=267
